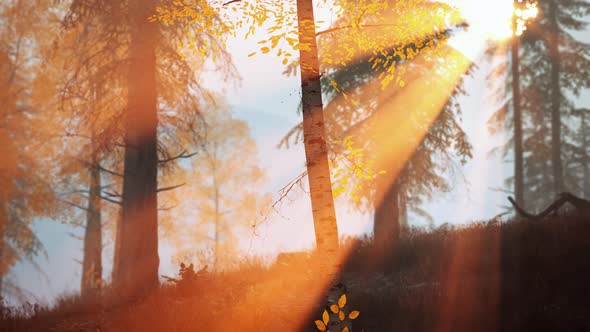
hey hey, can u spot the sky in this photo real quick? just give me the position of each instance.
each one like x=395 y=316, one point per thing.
x=268 y=101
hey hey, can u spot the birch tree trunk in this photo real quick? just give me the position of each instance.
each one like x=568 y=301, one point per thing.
x=314 y=137
x=138 y=259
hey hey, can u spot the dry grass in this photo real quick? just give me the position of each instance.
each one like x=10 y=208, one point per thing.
x=518 y=276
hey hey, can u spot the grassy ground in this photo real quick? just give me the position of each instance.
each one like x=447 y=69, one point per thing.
x=517 y=276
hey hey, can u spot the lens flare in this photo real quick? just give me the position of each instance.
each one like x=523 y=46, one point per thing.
x=524 y=15
x=494 y=19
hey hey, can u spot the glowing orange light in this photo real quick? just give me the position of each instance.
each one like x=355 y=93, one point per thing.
x=523 y=16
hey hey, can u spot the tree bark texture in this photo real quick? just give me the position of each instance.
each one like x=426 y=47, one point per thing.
x=92 y=260
x=138 y=260
x=314 y=137
x=585 y=170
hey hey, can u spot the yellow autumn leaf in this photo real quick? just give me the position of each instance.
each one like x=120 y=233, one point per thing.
x=341 y=315
x=334 y=308
x=285 y=60
x=320 y=325
x=353 y=314
x=342 y=301
x=251 y=54
x=265 y=50
x=325 y=317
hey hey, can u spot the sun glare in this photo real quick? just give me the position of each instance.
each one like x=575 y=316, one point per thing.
x=488 y=19
x=493 y=19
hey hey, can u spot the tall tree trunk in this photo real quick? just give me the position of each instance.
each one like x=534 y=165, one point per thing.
x=92 y=260
x=386 y=226
x=518 y=151
x=138 y=260
x=314 y=136
x=585 y=170
x=117 y=249
x=403 y=212
x=3 y=268
x=217 y=227
x=555 y=99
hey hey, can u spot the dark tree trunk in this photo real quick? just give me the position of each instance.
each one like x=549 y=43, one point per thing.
x=3 y=268
x=386 y=226
x=92 y=260
x=584 y=157
x=314 y=136
x=403 y=213
x=518 y=151
x=117 y=249
x=555 y=99
x=138 y=260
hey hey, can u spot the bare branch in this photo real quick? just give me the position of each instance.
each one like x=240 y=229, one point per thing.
x=578 y=203
x=169 y=188
x=287 y=189
x=112 y=194
x=74 y=205
x=350 y=26
x=75 y=236
x=114 y=201
x=167 y=208
x=100 y=167
x=78 y=191
x=182 y=155
x=502 y=190
x=230 y=2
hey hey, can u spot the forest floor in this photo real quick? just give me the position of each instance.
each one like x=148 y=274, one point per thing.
x=490 y=276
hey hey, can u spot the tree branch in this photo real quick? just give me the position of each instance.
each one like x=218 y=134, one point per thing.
x=578 y=203
x=112 y=194
x=100 y=167
x=114 y=201
x=350 y=26
x=230 y=2
x=167 y=208
x=75 y=236
x=169 y=188
x=74 y=205
x=182 y=155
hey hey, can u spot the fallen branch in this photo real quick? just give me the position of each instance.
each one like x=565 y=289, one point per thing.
x=578 y=203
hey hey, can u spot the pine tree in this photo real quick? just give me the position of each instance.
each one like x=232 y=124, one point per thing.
x=551 y=79
x=160 y=96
